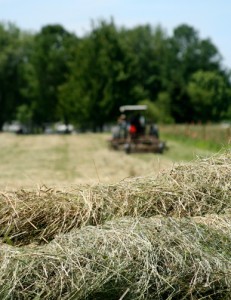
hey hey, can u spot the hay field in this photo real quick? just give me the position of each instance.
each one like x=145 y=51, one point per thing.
x=163 y=235
x=59 y=160
x=215 y=135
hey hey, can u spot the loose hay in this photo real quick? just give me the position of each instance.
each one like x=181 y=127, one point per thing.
x=153 y=238
x=196 y=189
x=150 y=258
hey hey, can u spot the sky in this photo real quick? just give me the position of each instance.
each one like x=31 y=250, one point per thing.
x=211 y=18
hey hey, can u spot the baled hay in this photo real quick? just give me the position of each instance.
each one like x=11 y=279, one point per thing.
x=196 y=189
x=151 y=258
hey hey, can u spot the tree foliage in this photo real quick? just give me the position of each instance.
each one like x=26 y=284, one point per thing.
x=53 y=47
x=54 y=75
x=209 y=95
x=11 y=57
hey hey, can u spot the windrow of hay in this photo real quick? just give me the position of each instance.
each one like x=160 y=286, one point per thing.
x=146 y=258
x=202 y=187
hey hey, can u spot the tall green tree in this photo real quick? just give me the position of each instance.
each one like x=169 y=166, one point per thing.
x=11 y=56
x=147 y=47
x=100 y=77
x=210 y=96
x=28 y=79
x=53 y=52
x=187 y=54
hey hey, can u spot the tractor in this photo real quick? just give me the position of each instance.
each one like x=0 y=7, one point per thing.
x=134 y=134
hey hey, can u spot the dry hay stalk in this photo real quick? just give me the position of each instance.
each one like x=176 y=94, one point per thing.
x=196 y=189
x=149 y=258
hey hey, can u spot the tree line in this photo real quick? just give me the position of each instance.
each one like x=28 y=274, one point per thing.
x=54 y=75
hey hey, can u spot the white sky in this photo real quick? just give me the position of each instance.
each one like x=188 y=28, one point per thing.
x=211 y=18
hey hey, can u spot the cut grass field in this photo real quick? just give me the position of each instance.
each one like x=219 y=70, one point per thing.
x=64 y=160
x=149 y=238
x=143 y=226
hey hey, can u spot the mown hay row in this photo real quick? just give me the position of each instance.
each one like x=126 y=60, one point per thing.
x=150 y=258
x=195 y=189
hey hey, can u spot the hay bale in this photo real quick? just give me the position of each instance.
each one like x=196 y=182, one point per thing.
x=202 y=187
x=147 y=258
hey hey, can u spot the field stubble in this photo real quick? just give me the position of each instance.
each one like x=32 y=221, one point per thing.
x=59 y=160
